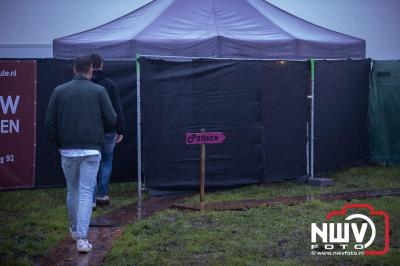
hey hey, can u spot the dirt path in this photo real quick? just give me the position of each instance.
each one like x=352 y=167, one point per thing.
x=246 y=204
x=103 y=232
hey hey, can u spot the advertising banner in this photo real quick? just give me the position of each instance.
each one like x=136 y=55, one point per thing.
x=17 y=123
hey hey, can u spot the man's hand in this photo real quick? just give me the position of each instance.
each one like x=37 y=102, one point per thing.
x=118 y=138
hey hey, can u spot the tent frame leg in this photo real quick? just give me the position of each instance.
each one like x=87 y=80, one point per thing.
x=139 y=135
x=312 y=180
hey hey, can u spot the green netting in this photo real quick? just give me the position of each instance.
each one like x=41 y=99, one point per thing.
x=384 y=112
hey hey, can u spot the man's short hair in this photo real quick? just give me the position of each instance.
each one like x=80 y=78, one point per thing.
x=96 y=60
x=83 y=64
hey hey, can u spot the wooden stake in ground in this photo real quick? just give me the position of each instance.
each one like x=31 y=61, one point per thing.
x=204 y=138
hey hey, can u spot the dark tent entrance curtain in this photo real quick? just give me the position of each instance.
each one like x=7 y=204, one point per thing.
x=341 y=113
x=247 y=100
x=262 y=108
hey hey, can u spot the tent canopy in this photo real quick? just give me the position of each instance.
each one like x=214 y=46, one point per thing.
x=211 y=28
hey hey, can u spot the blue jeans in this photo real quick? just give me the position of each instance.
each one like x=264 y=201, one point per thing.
x=80 y=174
x=105 y=170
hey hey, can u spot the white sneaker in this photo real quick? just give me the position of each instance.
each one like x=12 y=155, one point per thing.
x=73 y=236
x=83 y=245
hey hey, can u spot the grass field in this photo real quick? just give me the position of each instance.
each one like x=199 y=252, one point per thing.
x=353 y=179
x=32 y=221
x=277 y=235
x=262 y=236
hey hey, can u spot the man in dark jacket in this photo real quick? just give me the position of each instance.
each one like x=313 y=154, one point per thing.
x=77 y=114
x=112 y=136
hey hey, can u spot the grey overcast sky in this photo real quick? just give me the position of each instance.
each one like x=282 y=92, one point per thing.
x=27 y=22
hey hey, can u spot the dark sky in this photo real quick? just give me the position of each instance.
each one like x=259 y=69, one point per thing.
x=40 y=21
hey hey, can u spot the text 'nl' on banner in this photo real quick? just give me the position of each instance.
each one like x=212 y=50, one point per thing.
x=17 y=123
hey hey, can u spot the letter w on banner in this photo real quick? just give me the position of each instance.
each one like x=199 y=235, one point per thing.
x=17 y=123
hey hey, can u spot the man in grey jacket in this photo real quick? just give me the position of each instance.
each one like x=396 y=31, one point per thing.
x=78 y=114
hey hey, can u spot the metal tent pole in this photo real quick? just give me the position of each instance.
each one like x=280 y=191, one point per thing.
x=312 y=118
x=312 y=180
x=139 y=133
x=308 y=149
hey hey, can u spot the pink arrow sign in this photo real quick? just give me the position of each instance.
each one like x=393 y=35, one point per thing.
x=205 y=138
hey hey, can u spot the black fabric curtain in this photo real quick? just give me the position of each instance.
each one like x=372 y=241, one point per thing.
x=50 y=73
x=284 y=116
x=53 y=72
x=341 y=113
x=259 y=105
